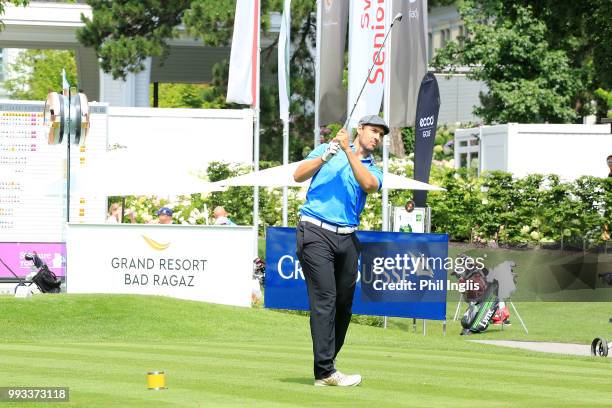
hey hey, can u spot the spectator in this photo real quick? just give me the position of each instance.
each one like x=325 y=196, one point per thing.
x=114 y=214
x=221 y=216
x=164 y=216
x=409 y=206
x=610 y=165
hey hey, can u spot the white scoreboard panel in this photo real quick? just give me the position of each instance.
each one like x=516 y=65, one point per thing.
x=33 y=175
x=90 y=154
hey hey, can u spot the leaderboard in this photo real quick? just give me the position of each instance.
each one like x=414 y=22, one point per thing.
x=33 y=175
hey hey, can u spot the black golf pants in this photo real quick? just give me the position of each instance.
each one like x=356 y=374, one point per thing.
x=329 y=263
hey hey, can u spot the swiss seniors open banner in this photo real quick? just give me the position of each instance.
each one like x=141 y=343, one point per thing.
x=366 y=34
x=400 y=274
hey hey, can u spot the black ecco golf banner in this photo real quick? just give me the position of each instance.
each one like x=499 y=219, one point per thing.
x=428 y=107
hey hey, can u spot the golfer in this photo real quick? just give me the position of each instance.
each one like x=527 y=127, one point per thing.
x=327 y=246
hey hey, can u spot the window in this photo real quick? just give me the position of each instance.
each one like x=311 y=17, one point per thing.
x=474 y=161
x=467 y=153
x=446 y=36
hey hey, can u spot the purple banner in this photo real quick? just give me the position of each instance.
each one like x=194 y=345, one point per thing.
x=51 y=253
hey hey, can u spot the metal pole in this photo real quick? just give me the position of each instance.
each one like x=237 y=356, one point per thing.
x=479 y=150
x=285 y=162
x=387 y=115
x=68 y=177
x=519 y=317
x=317 y=136
x=155 y=94
x=256 y=141
x=386 y=107
x=66 y=135
x=458 y=305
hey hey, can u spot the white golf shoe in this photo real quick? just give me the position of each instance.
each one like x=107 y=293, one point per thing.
x=339 y=380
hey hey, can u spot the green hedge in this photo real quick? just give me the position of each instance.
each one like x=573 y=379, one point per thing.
x=537 y=209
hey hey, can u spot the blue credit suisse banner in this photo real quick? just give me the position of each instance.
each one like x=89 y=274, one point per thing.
x=400 y=274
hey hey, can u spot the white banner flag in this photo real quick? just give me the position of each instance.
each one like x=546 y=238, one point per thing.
x=367 y=26
x=243 y=81
x=284 y=42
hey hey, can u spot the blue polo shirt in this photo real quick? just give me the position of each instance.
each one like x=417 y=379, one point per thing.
x=335 y=195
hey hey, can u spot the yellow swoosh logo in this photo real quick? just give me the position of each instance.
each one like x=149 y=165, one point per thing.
x=156 y=245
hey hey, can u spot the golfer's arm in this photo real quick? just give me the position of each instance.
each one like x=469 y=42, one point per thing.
x=307 y=169
x=366 y=180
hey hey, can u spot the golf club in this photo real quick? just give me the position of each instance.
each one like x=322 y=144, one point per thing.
x=398 y=17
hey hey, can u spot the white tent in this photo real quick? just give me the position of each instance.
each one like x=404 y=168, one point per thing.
x=281 y=176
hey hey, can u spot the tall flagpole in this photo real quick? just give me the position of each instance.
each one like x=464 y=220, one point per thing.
x=386 y=110
x=317 y=132
x=256 y=136
x=285 y=162
x=286 y=24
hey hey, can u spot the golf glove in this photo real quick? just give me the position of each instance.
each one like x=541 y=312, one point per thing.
x=331 y=151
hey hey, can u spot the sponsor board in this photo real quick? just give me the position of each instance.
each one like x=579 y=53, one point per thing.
x=205 y=263
x=418 y=258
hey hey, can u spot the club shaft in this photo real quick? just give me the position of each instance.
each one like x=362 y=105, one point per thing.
x=348 y=118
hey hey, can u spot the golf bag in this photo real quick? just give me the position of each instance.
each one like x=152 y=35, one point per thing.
x=479 y=313
x=259 y=277
x=44 y=278
x=259 y=270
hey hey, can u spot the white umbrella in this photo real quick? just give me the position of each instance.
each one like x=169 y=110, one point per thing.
x=279 y=176
x=282 y=176
x=394 y=182
x=120 y=174
x=163 y=184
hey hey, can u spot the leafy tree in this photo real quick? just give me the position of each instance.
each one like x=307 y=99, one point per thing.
x=124 y=32
x=581 y=29
x=604 y=103
x=542 y=60
x=36 y=72
x=509 y=48
x=179 y=95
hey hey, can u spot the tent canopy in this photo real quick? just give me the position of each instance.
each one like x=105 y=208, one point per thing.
x=282 y=176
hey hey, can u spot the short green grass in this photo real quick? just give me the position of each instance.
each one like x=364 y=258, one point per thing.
x=101 y=346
